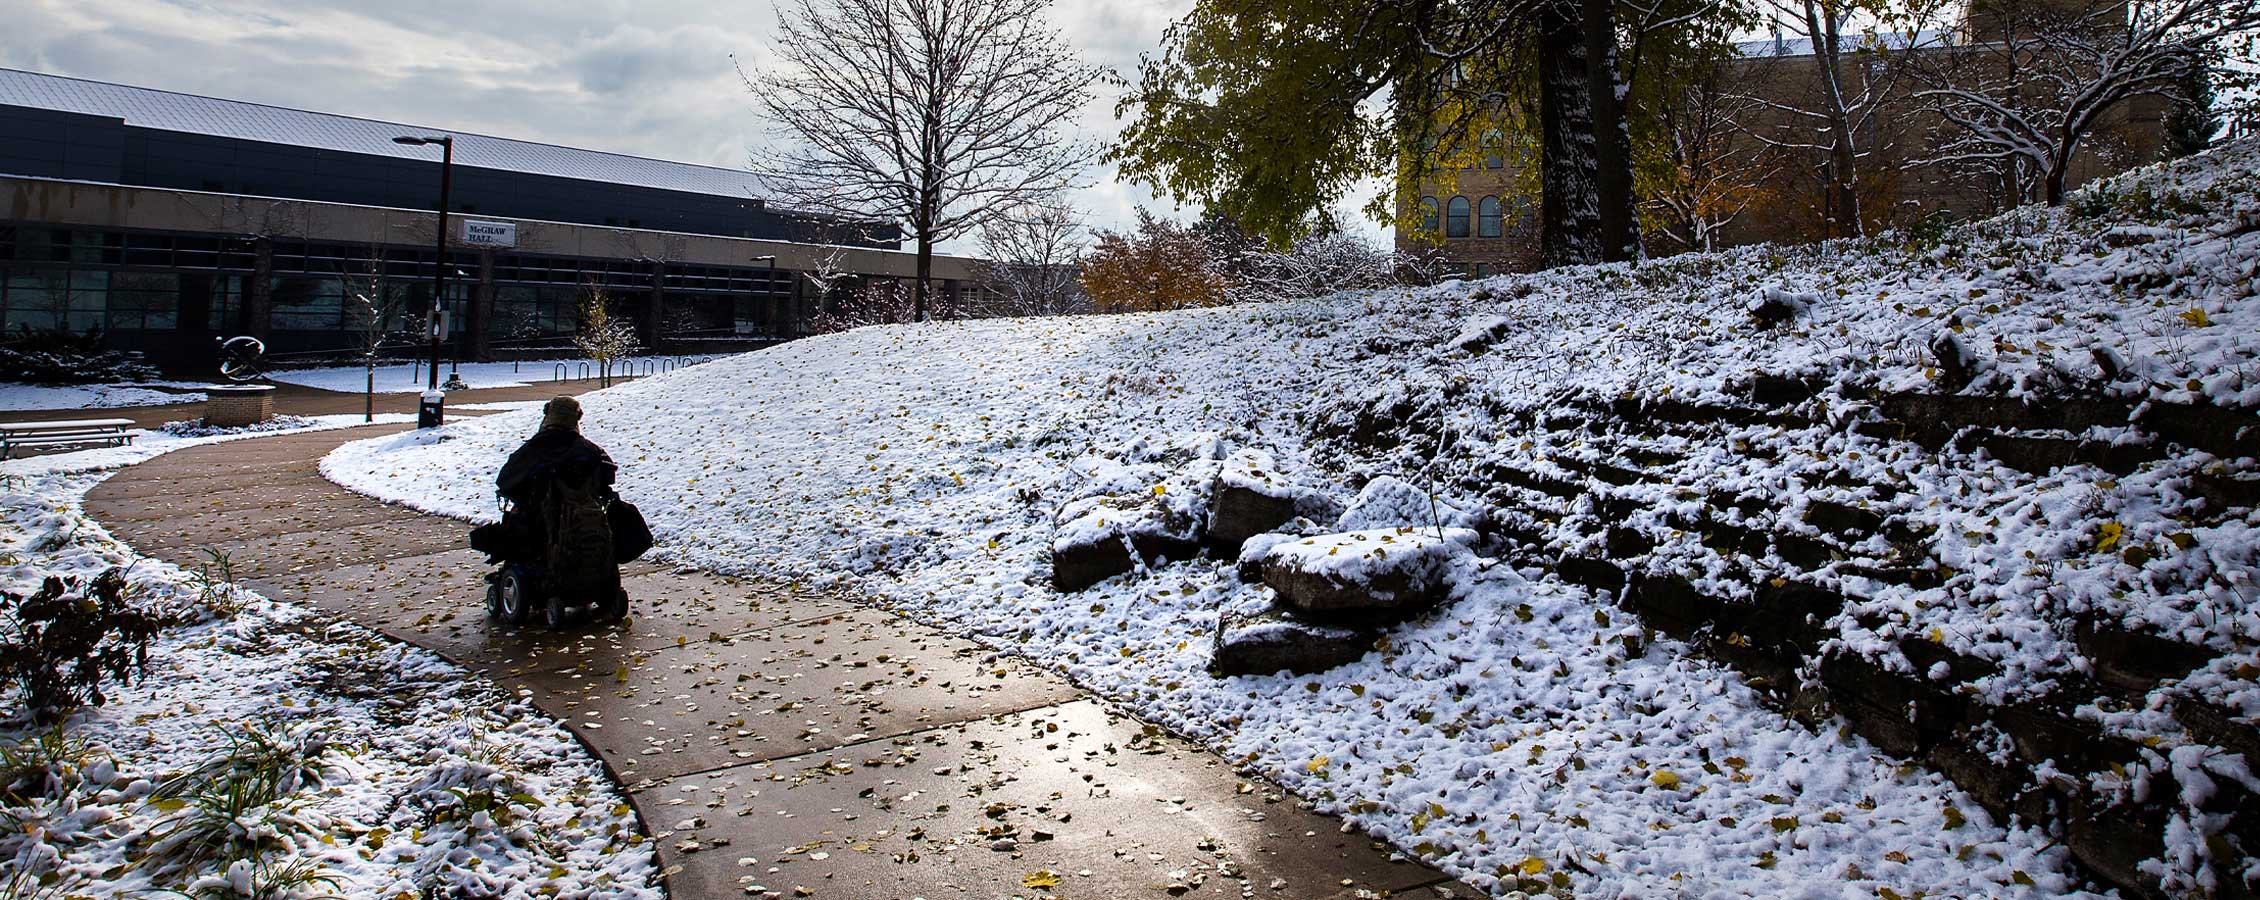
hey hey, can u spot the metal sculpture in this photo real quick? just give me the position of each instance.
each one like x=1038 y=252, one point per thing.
x=243 y=359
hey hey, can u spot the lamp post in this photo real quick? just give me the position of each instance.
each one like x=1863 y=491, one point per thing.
x=768 y=278
x=428 y=412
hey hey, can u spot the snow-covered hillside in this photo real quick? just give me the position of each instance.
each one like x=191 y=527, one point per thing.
x=1521 y=734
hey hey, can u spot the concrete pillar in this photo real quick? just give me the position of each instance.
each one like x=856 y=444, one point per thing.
x=654 y=309
x=797 y=305
x=257 y=315
x=479 y=314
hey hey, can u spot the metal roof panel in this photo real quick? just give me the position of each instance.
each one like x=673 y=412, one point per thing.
x=188 y=113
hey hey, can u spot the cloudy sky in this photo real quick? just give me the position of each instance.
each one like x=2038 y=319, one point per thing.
x=643 y=77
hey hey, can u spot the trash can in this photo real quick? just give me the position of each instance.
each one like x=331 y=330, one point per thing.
x=430 y=409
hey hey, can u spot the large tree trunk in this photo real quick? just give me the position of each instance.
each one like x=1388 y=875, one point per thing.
x=925 y=280
x=1569 y=206
x=1612 y=144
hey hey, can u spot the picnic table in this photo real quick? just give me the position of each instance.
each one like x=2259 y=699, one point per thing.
x=63 y=431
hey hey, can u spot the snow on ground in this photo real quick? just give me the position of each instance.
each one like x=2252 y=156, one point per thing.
x=1529 y=729
x=843 y=455
x=417 y=780
x=18 y=397
x=149 y=443
x=409 y=378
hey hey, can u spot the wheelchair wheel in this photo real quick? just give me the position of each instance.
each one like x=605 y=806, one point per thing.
x=555 y=613
x=617 y=608
x=508 y=597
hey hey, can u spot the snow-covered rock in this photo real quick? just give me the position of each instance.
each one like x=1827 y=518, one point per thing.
x=1253 y=497
x=1360 y=575
x=1274 y=641
x=1392 y=502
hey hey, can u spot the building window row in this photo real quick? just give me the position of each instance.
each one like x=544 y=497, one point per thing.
x=1487 y=215
x=44 y=298
x=150 y=289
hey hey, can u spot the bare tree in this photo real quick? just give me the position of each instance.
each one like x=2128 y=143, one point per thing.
x=375 y=310
x=603 y=337
x=2040 y=80
x=1032 y=261
x=1715 y=175
x=826 y=275
x=1837 y=119
x=877 y=301
x=659 y=249
x=934 y=114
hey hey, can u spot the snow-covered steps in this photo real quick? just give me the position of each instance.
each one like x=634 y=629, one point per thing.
x=1791 y=539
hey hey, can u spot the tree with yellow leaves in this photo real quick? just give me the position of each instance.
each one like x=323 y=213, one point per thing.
x=1160 y=266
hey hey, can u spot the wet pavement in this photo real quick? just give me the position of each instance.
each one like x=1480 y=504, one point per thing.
x=777 y=741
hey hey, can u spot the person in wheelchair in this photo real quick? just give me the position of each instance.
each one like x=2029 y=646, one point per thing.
x=564 y=531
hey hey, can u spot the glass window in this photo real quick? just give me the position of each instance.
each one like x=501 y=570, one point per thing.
x=1494 y=150
x=95 y=246
x=1487 y=218
x=304 y=303
x=33 y=245
x=38 y=299
x=1455 y=218
x=227 y=298
x=144 y=301
x=1428 y=222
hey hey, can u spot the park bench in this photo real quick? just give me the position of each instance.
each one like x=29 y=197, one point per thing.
x=69 y=431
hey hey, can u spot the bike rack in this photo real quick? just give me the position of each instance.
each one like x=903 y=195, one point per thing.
x=557 y=373
x=585 y=371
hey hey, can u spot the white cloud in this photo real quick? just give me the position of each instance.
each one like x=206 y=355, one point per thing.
x=651 y=78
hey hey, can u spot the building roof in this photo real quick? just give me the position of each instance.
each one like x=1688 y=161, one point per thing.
x=1792 y=45
x=169 y=111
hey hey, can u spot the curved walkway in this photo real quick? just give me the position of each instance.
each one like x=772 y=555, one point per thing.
x=778 y=741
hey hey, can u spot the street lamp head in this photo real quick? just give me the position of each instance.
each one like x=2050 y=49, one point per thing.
x=414 y=141
x=771 y=258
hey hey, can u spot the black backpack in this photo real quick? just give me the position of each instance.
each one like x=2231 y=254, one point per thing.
x=580 y=538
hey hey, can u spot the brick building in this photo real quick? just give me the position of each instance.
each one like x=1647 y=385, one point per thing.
x=1742 y=185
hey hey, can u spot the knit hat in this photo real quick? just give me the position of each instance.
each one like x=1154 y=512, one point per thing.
x=563 y=412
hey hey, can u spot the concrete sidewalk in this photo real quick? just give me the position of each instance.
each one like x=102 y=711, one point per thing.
x=778 y=741
x=297 y=400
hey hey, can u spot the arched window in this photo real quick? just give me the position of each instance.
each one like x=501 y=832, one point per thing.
x=1487 y=217
x=1455 y=218
x=1428 y=223
x=1494 y=150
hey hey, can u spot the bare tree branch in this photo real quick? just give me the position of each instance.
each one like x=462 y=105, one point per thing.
x=2041 y=78
x=938 y=115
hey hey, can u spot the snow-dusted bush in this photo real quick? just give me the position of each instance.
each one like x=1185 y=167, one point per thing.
x=60 y=644
x=63 y=357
